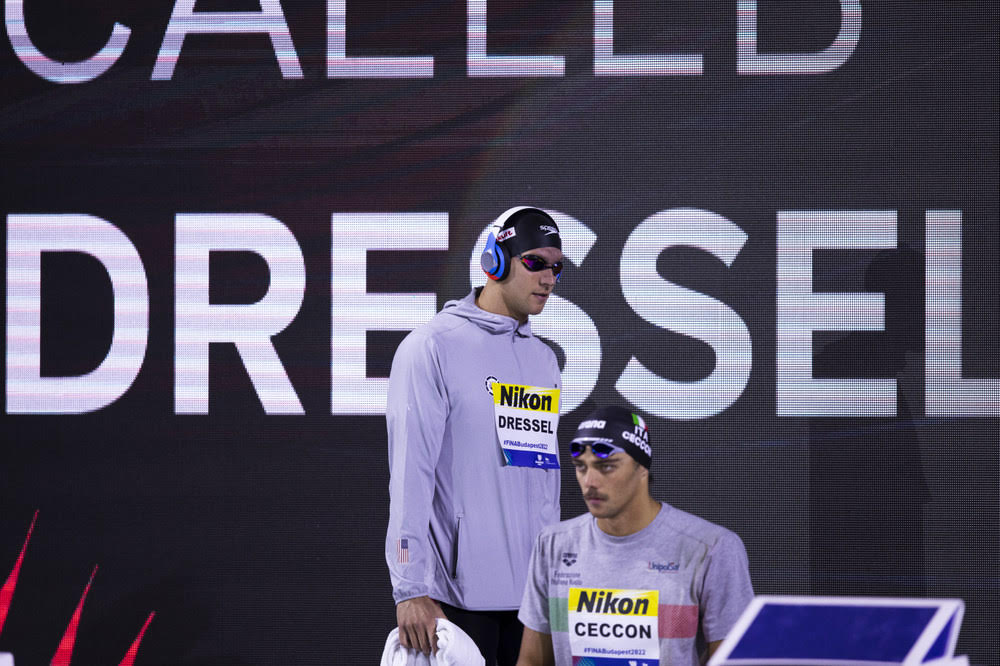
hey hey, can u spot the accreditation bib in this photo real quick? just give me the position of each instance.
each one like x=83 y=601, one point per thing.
x=526 y=418
x=614 y=627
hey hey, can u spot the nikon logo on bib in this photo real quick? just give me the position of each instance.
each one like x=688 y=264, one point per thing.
x=526 y=418
x=614 y=626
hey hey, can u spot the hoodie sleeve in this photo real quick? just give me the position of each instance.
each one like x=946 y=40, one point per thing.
x=416 y=411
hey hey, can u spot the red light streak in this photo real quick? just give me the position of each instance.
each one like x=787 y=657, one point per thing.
x=64 y=652
x=7 y=591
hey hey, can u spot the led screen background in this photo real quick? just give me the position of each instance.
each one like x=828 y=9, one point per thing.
x=241 y=492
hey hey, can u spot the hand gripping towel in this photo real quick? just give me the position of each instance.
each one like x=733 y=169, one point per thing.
x=455 y=648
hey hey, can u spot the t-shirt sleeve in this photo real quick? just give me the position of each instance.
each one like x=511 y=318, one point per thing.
x=727 y=589
x=534 y=612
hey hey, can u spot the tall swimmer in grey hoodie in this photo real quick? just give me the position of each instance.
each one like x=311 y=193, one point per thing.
x=472 y=410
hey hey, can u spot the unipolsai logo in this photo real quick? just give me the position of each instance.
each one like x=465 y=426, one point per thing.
x=670 y=567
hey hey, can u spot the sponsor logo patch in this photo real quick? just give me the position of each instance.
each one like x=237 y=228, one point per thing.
x=610 y=626
x=520 y=398
x=670 y=567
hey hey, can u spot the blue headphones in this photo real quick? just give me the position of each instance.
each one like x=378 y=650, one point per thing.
x=495 y=259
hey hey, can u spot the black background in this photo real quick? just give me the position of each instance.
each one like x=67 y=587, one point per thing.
x=258 y=539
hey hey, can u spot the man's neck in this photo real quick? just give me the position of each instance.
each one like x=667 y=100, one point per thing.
x=632 y=519
x=489 y=299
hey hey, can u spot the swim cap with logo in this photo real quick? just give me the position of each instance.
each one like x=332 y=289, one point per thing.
x=620 y=427
x=527 y=228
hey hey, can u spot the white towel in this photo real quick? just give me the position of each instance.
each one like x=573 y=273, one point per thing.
x=455 y=648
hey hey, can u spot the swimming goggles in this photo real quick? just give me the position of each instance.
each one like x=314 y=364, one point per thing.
x=601 y=449
x=534 y=263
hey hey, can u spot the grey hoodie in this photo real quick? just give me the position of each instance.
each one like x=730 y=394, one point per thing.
x=461 y=523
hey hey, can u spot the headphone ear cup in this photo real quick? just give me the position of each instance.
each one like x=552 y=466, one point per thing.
x=504 y=260
x=494 y=259
x=488 y=259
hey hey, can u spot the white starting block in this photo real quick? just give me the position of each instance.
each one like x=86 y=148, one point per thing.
x=844 y=631
x=6 y=659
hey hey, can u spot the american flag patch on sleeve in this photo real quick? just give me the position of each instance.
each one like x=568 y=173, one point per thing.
x=403 y=551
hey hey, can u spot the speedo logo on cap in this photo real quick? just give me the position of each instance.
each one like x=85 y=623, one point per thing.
x=505 y=234
x=548 y=229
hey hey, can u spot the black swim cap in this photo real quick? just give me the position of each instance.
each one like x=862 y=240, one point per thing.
x=526 y=228
x=618 y=426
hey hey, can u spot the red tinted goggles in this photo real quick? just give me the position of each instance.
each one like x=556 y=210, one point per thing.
x=534 y=263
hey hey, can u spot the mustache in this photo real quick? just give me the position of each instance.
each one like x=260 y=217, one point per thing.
x=588 y=496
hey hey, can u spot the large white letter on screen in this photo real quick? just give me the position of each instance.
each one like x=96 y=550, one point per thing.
x=688 y=312
x=480 y=64
x=606 y=63
x=249 y=327
x=947 y=393
x=185 y=20
x=800 y=311
x=60 y=72
x=749 y=61
x=562 y=322
x=339 y=66
x=354 y=311
x=28 y=236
